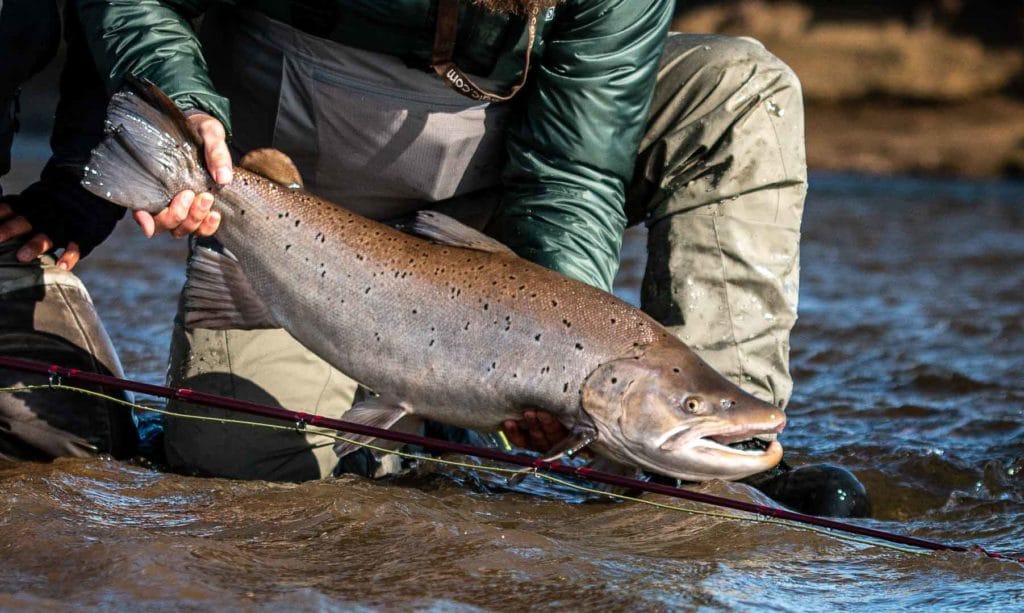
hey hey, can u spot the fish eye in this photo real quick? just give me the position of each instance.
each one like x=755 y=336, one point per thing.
x=693 y=404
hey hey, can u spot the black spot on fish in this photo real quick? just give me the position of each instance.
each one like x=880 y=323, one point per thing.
x=323 y=274
x=614 y=380
x=579 y=347
x=280 y=215
x=366 y=291
x=414 y=311
x=431 y=343
x=613 y=320
x=242 y=212
x=287 y=247
x=568 y=324
x=487 y=305
x=296 y=223
x=675 y=370
x=565 y=388
x=537 y=338
x=554 y=303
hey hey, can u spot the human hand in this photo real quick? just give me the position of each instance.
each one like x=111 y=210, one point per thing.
x=16 y=226
x=188 y=212
x=537 y=430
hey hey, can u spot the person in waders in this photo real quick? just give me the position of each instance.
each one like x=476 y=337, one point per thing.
x=550 y=125
x=46 y=313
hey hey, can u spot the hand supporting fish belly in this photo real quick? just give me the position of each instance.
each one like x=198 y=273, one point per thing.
x=442 y=322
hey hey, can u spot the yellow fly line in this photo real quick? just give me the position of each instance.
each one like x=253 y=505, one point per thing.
x=495 y=470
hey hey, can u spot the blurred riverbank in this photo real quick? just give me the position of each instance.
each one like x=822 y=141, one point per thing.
x=932 y=87
x=924 y=87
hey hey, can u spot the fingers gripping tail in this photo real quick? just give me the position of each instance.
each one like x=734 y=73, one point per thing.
x=149 y=153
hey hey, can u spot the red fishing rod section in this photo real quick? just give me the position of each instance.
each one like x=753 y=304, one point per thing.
x=301 y=419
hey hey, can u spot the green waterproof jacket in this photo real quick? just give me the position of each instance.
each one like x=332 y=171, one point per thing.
x=574 y=137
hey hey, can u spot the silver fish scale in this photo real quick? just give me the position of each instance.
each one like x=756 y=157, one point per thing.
x=464 y=336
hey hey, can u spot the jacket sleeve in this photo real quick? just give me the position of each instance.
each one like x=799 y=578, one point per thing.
x=57 y=205
x=154 y=40
x=573 y=146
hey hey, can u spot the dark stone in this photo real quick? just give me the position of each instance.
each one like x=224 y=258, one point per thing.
x=817 y=489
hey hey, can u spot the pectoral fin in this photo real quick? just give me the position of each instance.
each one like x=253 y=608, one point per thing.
x=374 y=412
x=218 y=295
x=579 y=437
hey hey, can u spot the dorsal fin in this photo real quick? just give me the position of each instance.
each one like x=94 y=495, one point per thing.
x=274 y=165
x=443 y=229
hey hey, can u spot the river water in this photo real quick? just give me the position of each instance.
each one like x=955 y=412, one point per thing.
x=908 y=359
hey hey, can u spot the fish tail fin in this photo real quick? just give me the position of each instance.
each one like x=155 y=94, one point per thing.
x=149 y=153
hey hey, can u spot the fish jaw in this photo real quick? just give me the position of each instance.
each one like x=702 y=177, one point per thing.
x=668 y=412
x=706 y=452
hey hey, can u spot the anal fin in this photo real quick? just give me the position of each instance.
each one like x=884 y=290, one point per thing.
x=218 y=295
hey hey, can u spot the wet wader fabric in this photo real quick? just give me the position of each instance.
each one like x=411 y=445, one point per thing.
x=721 y=181
x=46 y=314
x=315 y=100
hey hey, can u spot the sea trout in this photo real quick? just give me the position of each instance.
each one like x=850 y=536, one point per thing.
x=449 y=325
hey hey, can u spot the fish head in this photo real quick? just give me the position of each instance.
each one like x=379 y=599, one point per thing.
x=667 y=411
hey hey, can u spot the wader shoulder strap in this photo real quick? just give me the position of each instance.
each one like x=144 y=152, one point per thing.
x=444 y=49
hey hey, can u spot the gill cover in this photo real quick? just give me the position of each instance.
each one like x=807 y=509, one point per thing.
x=663 y=407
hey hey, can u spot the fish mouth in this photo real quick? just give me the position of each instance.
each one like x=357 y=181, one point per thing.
x=728 y=451
x=745 y=437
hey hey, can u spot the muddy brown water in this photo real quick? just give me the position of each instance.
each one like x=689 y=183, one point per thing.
x=908 y=359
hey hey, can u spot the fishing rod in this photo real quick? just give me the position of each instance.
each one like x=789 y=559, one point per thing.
x=58 y=374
